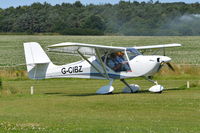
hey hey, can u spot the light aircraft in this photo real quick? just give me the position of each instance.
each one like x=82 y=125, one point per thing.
x=99 y=64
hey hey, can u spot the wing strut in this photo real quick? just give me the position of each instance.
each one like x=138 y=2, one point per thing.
x=91 y=63
x=102 y=64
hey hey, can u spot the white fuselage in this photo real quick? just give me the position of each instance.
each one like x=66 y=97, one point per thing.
x=140 y=66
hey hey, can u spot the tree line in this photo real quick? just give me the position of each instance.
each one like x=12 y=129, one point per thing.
x=124 y=18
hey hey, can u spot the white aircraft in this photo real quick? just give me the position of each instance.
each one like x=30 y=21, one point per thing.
x=104 y=62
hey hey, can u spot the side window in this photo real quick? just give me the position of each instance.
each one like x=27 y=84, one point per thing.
x=132 y=53
x=117 y=62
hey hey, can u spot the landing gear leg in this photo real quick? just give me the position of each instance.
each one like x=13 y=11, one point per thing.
x=123 y=81
x=130 y=88
x=106 y=89
x=151 y=80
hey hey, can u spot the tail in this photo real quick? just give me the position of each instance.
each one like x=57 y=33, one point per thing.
x=37 y=61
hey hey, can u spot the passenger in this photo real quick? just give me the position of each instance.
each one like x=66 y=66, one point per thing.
x=113 y=63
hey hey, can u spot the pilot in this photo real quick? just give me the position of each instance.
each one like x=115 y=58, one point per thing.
x=120 y=59
x=119 y=56
x=113 y=63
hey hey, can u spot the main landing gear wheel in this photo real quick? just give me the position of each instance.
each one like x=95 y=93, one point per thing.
x=132 y=88
x=107 y=89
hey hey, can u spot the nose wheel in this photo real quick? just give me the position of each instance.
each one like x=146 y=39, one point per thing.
x=156 y=88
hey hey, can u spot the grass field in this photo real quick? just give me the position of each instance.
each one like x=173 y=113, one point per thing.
x=11 y=46
x=65 y=106
x=71 y=105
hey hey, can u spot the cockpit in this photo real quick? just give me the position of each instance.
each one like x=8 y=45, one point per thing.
x=119 y=60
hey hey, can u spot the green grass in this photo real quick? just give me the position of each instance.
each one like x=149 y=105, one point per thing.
x=72 y=106
x=11 y=48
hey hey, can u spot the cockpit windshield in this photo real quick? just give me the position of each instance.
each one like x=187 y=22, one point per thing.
x=132 y=53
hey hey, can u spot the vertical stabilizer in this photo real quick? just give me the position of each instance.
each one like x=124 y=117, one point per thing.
x=34 y=54
x=37 y=60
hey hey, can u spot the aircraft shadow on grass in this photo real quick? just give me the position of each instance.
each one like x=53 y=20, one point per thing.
x=66 y=94
x=174 y=89
x=94 y=94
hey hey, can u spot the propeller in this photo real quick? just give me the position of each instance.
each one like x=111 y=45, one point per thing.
x=164 y=60
x=170 y=66
x=161 y=65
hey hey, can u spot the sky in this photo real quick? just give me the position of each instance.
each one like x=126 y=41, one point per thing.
x=7 y=3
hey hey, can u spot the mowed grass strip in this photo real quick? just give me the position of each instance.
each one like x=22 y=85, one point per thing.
x=72 y=106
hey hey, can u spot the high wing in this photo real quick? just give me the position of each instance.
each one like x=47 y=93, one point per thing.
x=89 y=49
x=157 y=46
x=85 y=49
x=99 y=51
x=154 y=49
